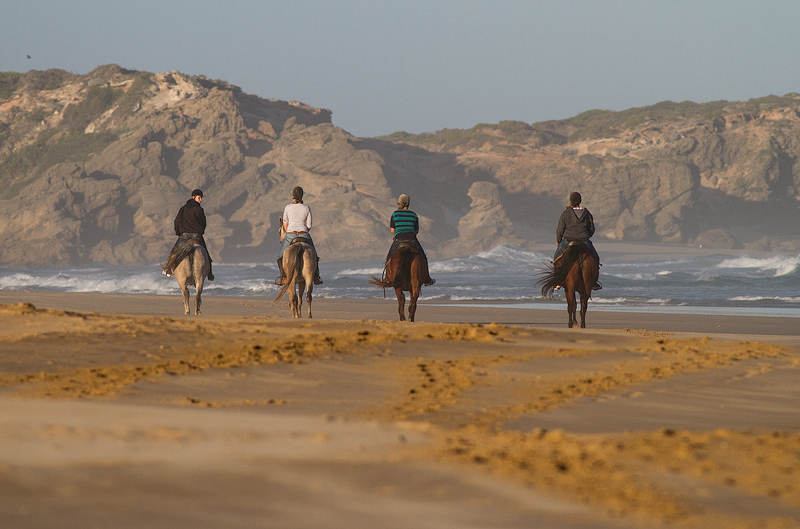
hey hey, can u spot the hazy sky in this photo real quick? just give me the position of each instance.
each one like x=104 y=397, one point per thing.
x=384 y=66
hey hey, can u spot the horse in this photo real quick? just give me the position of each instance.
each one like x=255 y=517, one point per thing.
x=577 y=270
x=405 y=272
x=300 y=265
x=192 y=270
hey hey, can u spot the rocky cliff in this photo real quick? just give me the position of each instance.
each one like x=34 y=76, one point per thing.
x=94 y=167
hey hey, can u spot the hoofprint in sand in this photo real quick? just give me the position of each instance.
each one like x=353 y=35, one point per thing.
x=253 y=420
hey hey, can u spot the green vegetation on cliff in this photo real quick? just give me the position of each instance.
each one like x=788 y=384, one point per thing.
x=591 y=124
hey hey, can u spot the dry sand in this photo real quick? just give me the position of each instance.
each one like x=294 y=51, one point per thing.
x=119 y=411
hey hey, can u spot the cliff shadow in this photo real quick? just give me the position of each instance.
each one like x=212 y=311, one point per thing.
x=436 y=182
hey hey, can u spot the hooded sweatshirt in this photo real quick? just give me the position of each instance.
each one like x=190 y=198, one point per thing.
x=575 y=224
x=190 y=219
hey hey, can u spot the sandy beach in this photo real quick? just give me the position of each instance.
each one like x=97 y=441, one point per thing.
x=120 y=411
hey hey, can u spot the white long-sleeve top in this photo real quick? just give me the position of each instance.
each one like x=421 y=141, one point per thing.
x=298 y=216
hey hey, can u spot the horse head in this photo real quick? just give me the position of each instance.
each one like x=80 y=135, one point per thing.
x=281 y=229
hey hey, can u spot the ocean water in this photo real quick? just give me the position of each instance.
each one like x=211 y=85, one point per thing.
x=507 y=274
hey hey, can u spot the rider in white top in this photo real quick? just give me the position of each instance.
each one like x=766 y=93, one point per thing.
x=297 y=218
x=297 y=223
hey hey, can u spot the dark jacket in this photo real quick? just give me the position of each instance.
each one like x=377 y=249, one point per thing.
x=575 y=225
x=190 y=219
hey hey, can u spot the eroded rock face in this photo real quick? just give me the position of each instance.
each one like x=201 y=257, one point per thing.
x=485 y=226
x=95 y=167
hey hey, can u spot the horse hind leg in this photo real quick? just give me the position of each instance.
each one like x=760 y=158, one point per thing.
x=308 y=297
x=572 y=307
x=301 y=290
x=401 y=303
x=412 y=304
x=198 y=297
x=584 y=307
x=293 y=302
x=185 y=293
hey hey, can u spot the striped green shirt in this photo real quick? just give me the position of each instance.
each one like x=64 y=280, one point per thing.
x=404 y=221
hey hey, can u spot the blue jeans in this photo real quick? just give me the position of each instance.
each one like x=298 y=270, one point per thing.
x=563 y=246
x=287 y=240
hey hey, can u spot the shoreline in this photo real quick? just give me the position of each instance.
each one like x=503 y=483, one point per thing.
x=785 y=329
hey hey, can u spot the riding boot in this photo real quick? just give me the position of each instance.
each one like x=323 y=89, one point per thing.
x=210 y=274
x=282 y=278
x=317 y=279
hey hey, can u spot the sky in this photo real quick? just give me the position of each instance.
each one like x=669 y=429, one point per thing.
x=422 y=66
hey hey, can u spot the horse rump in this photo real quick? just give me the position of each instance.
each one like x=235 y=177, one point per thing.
x=397 y=273
x=554 y=276
x=294 y=273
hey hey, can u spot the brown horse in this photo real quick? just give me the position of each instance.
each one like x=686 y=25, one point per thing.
x=576 y=270
x=300 y=265
x=405 y=272
x=192 y=270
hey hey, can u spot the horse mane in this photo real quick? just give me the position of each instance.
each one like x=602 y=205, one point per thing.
x=552 y=276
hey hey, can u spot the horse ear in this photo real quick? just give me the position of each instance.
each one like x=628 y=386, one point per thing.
x=280 y=220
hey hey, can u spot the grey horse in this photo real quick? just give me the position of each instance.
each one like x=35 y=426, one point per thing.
x=192 y=270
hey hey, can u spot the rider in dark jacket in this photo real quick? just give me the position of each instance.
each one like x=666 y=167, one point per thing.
x=190 y=223
x=576 y=224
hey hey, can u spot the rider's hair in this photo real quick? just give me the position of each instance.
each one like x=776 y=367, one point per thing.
x=297 y=195
x=574 y=199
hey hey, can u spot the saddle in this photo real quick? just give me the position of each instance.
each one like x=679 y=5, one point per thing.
x=300 y=239
x=406 y=244
x=573 y=243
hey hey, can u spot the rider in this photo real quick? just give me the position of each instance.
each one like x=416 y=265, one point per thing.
x=404 y=225
x=576 y=224
x=190 y=223
x=296 y=223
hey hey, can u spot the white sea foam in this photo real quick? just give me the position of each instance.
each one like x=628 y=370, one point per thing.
x=609 y=300
x=361 y=272
x=785 y=299
x=782 y=265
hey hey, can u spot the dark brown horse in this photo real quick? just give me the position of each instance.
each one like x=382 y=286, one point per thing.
x=576 y=270
x=405 y=272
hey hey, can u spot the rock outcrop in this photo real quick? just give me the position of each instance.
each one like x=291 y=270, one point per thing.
x=94 y=167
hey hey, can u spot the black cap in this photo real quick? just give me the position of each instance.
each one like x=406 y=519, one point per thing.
x=197 y=193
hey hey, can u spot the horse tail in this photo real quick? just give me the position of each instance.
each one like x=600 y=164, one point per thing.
x=382 y=283
x=291 y=268
x=552 y=276
x=202 y=254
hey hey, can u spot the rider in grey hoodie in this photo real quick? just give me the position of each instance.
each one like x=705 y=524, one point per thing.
x=576 y=224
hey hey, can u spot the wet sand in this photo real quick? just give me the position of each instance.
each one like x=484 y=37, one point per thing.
x=118 y=410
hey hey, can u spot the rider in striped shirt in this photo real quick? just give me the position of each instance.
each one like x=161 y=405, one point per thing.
x=404 y=225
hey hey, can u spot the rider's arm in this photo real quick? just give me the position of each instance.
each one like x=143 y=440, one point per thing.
x=562 y=226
